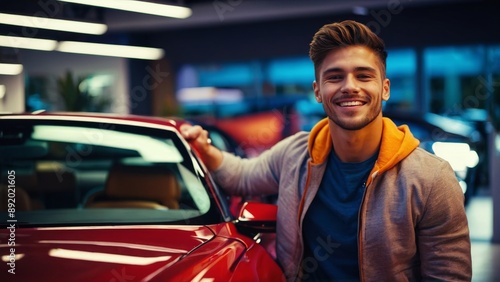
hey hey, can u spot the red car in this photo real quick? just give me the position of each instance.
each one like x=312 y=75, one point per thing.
x=87 y=197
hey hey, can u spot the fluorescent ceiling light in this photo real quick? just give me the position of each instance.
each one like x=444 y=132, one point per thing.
x=53 y=24
x=124 y=51
x=27 y=43
x=163 y=10
x=112 y=50
x=11 y=69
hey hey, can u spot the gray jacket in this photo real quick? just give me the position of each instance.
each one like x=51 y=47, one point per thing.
x=412 y=221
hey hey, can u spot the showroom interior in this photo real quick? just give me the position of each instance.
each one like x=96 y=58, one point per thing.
x=231 y=59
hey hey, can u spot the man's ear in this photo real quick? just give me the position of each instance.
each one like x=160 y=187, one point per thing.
x=386 y=89
x=317 y=95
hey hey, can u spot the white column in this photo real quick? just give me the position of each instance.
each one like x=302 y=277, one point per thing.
x=12 y=96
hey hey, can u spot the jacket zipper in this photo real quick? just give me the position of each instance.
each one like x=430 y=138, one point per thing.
x=298 y=274
x=360 y=238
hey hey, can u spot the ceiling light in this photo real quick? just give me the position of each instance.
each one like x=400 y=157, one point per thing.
x=53 y=24
x=27 y=43
x=112 y=50
x=139 y=7
x=11 y=69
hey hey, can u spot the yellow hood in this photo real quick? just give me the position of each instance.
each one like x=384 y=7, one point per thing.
x=397 y=143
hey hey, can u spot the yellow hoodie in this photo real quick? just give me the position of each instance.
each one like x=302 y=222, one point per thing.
x=397 y=143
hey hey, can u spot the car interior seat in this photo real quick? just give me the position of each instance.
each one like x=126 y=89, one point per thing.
x=138 y=186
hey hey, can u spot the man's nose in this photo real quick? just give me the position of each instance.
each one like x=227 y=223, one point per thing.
x=350 y=84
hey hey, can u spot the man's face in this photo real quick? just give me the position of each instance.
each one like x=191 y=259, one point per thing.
x=351 y=87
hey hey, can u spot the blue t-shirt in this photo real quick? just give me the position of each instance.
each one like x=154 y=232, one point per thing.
x=330 y=226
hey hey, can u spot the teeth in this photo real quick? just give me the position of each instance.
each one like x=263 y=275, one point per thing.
x=350 y=104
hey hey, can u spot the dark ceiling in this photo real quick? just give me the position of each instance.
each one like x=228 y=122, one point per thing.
x=206 y=13
x=245 y=29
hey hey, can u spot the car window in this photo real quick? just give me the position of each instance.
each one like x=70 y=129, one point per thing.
x=84 y=140
x=77 y=173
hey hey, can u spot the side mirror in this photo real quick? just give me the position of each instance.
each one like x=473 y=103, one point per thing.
x=257 y=217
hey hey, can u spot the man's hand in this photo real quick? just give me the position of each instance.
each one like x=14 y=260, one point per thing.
x=198 y=136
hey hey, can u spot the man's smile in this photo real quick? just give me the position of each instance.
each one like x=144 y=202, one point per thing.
x=350 y=103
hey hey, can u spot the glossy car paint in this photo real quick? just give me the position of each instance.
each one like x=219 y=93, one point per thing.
x=138 y=253
x=215 y=252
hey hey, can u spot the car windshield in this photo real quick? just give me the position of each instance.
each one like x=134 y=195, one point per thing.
x=69 y=172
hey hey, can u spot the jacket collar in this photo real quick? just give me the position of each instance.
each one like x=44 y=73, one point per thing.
x=397 y=143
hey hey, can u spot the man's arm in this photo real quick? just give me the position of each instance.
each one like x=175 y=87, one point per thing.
x=443 y=233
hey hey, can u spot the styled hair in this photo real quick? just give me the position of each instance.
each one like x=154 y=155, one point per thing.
x=343 y=34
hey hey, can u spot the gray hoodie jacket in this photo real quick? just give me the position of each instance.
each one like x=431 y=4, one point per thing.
x=412 y=224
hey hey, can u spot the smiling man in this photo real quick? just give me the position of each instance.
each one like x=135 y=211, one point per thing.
x=358 y=200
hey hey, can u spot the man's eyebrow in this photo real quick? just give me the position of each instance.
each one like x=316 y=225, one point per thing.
x=333 y=70
x=369 y=69
x=357 y=69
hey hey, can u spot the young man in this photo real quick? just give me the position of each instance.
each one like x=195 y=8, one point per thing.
x=357 y=199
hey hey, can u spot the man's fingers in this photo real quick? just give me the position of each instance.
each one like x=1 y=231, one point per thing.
x=195 y=133
x=198 y=137
x=190 y=132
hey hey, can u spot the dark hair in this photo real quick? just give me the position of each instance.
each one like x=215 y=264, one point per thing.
x=342 y=34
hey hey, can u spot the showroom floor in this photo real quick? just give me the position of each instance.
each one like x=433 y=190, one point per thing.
x=485 y=255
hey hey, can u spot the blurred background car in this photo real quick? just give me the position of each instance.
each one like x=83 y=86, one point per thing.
x=107 y=195
x=453 y=140
x=480 y=120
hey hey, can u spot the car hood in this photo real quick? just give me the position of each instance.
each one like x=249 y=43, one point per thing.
x=116 y=253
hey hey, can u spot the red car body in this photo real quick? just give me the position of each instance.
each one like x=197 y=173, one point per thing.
x=75 y=242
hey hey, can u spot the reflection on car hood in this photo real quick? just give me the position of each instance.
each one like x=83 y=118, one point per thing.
x=116 y=253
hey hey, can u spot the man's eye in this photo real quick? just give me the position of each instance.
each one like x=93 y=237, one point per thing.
x=334 y=77
x=364 y=76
